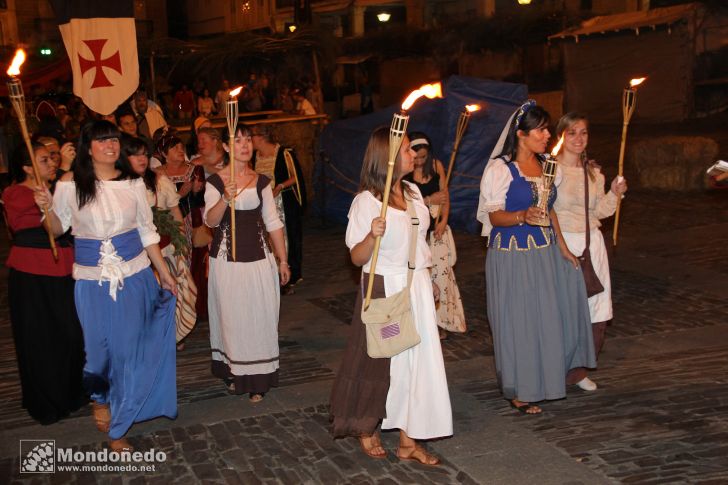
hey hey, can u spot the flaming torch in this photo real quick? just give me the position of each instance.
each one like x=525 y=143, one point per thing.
x=17 y=98
x=462 y=125
x=547 y=180
x=629 y=101
x=396 y=133
x=231 y=112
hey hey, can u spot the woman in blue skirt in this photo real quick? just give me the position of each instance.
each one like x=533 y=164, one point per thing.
x=128 y=321
x=537 y=305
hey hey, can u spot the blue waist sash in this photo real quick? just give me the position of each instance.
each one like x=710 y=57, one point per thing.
x=128 y=245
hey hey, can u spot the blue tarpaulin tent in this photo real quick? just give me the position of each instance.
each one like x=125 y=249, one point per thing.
x=343 y=144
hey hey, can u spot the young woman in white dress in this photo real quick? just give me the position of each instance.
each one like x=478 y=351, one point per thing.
x=244 y=293
x=409 y=391
x=569 y=207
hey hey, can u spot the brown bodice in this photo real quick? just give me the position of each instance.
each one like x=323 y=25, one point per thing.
x=250 y=238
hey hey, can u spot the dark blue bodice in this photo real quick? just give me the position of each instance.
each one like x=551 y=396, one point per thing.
x=521 y=195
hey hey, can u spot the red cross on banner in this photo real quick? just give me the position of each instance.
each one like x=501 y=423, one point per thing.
x=112 y=62
x=100 y=38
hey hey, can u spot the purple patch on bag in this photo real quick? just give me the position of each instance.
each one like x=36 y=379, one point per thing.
x=391 y=330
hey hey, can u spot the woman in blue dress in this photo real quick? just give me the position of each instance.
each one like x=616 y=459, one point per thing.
x=128 y=321
x=537 y=304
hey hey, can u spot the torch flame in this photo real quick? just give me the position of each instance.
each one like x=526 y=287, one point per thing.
x=18 y=60
x=556 y=149
x=428 y=90
x=472 y=107
x=235 y=91
x=636 y=82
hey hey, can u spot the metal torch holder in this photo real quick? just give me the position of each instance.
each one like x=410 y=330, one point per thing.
x=548 y=169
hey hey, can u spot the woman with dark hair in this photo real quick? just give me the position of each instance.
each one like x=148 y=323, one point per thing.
x=46 y=330
x=163 y=199
x=127 y=319
x=537 y=306
x=281 y=166
x=189 y=179
x=429 y=176
x=408 y=391
x=244 y=294
x=571 y=209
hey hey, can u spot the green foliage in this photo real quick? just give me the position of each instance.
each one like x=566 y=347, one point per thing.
x=167 y=226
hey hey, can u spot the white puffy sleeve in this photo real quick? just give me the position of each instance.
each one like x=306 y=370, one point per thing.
x=64 y=202
x=212 y=196
x=145 y=225
x=269 y=210
x=363 y=209
x=493 y=189
x=167 y=195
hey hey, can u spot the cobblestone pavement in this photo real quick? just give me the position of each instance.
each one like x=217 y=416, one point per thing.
x=659 y=415
x=288 y=448
x=658 y=420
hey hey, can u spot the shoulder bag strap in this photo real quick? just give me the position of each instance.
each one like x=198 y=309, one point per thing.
x=414 y=228
x=586 y=205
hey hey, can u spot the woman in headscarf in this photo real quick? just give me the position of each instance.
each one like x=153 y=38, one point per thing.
x=537 y=306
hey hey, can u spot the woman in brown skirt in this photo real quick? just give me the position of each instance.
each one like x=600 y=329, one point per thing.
x=409 y=391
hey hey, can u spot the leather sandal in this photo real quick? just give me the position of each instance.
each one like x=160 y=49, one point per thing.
x=102 y=416
x=420 y=455
x=120 y=445
x=375 y=443
x=255 y=397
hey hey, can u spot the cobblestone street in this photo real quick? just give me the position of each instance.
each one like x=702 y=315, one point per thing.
x=660 y=414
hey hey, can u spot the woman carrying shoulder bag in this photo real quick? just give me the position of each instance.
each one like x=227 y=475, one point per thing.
x=570 y=206
x=408 y=391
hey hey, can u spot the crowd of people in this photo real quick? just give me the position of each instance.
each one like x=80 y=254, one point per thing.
x=157 y=238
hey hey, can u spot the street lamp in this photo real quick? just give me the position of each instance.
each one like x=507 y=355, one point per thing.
x=524 y=2
x=384 y=16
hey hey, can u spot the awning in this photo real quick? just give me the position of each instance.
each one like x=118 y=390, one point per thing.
x=42 y=76
x=630 y=21
x=353 y=59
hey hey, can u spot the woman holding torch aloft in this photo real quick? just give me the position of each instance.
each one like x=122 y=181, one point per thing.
x=570 y=207
x=128 y=321
x=409 y=391
x=46 y=331
x=537 y=306
x=429 y=176
x=244 y=293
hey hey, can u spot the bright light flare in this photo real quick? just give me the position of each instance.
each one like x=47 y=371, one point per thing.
x=472 y=107
x=18 y=60
x=430 y=91
x=235 y=91
x=557 y=148
x=636 y=82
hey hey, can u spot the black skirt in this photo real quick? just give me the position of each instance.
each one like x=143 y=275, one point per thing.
x=48 y=344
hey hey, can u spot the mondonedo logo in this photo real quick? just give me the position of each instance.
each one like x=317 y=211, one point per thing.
x=42 y=456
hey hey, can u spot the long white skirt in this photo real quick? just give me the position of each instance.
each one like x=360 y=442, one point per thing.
x=600 y=305
x=243 y=306
x=418 y=401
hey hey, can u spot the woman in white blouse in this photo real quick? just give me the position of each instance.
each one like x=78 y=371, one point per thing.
x=244 y=292
x=570 y=208
x=127 y=320
x=407 y=392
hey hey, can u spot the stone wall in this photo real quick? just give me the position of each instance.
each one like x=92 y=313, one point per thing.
x=673 y=162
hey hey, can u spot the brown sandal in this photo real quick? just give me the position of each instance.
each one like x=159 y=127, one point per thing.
x=102 y=416
x=420 y=455
x=375 y=443
x=256 y=397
